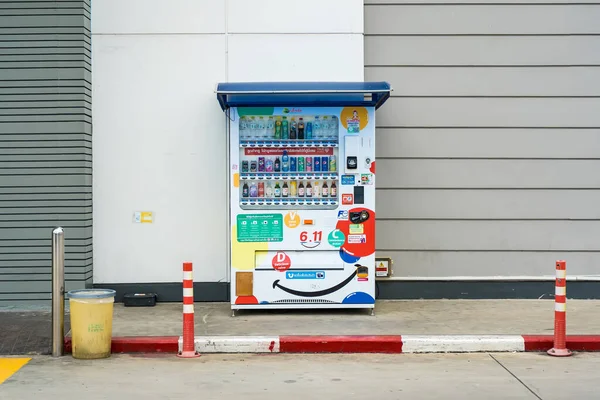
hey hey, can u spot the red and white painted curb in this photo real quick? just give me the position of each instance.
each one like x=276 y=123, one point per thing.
x=391 y=344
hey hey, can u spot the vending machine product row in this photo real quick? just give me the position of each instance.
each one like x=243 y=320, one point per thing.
x=302 y=193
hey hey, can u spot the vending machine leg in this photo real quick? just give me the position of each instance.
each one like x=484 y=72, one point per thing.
x=233 y=312
x=373 y=311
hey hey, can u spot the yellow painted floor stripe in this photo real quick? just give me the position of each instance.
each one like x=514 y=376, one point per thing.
x=8 y=366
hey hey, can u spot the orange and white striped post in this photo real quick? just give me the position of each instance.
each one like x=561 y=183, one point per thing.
x=560 y=312
x=189 y=349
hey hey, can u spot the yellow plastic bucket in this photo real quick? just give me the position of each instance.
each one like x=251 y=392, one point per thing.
x=91 y=322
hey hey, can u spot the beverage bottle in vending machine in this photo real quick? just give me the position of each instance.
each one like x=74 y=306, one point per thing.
x=333 y=127
x=324 y=190
x=308 y=164
x=245 y=190
x=284 y=190
x=277 y=190
x=278 y=128
x=300 y=164
x=293 y=164
x=285 y=130
x=300 y=189
x=324 y=127
x=243 y=127
x=293 y=128
x=277 y=165
x=285 y=162
x=293 y=189
x=270 y=134
x=316 y=190
x=261 y=189
x=308 y=131
x=325 y=164
x=333 y=190
x=251 y=128
x=268 y=164
x=253 y=190
x=309 y=190
x=261 y=127
x=316 y=128
x=301 y=128
x=332 y=164
x=269 y=190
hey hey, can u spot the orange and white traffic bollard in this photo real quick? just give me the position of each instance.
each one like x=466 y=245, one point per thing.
x=189 y=349
x=560 y=312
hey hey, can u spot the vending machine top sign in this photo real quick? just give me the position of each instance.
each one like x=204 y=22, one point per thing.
x=302 y=192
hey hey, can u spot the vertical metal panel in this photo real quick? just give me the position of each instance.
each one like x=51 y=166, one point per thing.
x=45 y=145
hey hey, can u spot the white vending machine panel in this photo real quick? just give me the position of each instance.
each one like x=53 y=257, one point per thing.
x=302 y=207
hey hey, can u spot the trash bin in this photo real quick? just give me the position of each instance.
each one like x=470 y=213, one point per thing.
x=91 y=322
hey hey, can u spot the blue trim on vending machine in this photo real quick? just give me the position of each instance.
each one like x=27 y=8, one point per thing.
x=302 y=94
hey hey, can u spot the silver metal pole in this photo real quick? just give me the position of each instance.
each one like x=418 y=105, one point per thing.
x=58 y=292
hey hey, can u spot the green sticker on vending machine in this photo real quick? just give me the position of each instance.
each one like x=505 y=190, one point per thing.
x=260 y=228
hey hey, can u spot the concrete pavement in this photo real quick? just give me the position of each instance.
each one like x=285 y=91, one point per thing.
x=429 y=376
x=417 y=317
x=29 y=332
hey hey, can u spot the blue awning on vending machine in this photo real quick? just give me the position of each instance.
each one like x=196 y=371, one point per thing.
x=302 y=94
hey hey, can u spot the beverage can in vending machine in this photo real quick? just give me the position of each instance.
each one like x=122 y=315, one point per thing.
x=309 y=164
x=261 y=189
x=293 y=164
x=325 y=164
x=253 y=166
x=332 y=164
x=245 y=166
x=300 y=164
x=261 y=164
x=269 y=164
x=317 y=164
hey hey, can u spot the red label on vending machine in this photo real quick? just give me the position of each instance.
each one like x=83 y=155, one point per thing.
x=292 y=151
x=281 y=262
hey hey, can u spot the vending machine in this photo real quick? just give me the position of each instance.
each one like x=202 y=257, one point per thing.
x=302 y=177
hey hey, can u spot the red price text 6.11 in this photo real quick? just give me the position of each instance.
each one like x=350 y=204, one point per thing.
x=315 y=236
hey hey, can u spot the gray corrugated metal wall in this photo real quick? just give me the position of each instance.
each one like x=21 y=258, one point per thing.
x=45 y=149
x=489 y=151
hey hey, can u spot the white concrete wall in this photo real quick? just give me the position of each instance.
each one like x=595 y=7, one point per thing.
x=159 y=139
